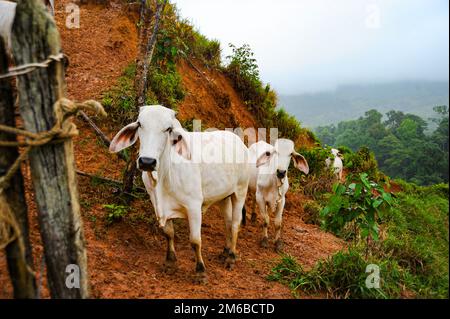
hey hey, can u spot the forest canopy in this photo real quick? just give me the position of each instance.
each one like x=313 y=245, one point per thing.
x=403 y=146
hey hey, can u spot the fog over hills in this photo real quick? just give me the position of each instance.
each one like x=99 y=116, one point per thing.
x=351 y=101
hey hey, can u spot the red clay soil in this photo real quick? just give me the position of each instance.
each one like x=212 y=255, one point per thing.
x=210 y=97
x=125 y=259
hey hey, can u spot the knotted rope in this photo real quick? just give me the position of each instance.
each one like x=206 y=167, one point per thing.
x=59 y=133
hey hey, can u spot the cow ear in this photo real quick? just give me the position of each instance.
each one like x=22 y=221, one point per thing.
x=125 y=138
x=264 y=158
x=180 y=143
x=300 y=162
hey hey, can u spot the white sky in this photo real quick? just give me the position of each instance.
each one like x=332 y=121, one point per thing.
x=311 y=45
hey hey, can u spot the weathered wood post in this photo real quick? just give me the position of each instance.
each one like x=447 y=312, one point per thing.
x=34 y=38
x=18 y=252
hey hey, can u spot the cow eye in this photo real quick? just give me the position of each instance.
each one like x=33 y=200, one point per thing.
x=169 y=130
x=267 y=153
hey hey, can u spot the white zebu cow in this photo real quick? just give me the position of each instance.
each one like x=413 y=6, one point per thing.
x=338 y=166
x=268 y=179
x=185 y=173
x=7 y=14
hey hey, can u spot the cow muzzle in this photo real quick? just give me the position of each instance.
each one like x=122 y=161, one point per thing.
x=281 y=174
x=147 y=164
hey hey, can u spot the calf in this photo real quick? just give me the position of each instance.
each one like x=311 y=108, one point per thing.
x=269 y=180
x=337 y=166
x=185 y=173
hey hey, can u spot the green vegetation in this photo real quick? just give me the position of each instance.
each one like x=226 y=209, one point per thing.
x=115 y=213
x=411 y=251
x=342 y=275
x=261 y=100
x=401 y=145
x=352 y=101
x=358 y=204
x=176 y=39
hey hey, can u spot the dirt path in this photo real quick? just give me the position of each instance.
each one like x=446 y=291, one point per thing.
x=125 y=259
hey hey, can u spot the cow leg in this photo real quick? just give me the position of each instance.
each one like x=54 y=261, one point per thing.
x=263 y=209
x=237 y=203
x=227 y=209
x=171 y=259
x=195 y=224
x=254 y=216
x=278 y=224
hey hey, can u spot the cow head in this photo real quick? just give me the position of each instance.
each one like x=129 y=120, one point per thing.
x=157 y=128
x=337 y=153
x=277 y=159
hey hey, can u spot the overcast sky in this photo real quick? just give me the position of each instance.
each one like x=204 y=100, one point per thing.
x=312 y=45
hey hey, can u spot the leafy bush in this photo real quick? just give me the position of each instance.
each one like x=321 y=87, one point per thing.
x=363 y=161
x=412 y=254
x=166 y=86
x=115 y=212
x=177 y=38
x=119 y=101
x=359 y=204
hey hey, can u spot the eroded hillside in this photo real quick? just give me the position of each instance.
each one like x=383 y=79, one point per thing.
x=126 y=257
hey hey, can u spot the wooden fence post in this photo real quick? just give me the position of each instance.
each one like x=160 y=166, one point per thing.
x=34 y=38
x=23 y=280
x=145 y=55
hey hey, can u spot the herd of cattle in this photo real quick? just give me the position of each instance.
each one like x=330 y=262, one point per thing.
x=187 y=172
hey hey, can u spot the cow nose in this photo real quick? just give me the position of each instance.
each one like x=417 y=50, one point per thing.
x=147 y=164
x=281 y=174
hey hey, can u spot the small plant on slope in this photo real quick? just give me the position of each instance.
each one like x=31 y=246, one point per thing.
x=115 y=213
x=359 y=202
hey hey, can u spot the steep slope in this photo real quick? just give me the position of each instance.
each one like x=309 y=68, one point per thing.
x=125 y=258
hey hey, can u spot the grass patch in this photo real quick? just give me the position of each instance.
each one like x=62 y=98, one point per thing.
x=412 y=254
x=342 y=275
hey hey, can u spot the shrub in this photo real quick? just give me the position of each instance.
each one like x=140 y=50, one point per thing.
x=166 y=86
x=363 y=161
x=358 y=204
x=115 y=213
x=412 y=254
x=119 y=100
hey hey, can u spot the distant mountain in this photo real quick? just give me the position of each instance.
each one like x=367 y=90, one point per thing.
x=351 y=101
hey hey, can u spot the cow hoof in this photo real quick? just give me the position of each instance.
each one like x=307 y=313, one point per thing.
x=279 y=246
x=224 y=255
x=170 y=267
x=201 y=278
x=230 y=262
x=265 y=242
